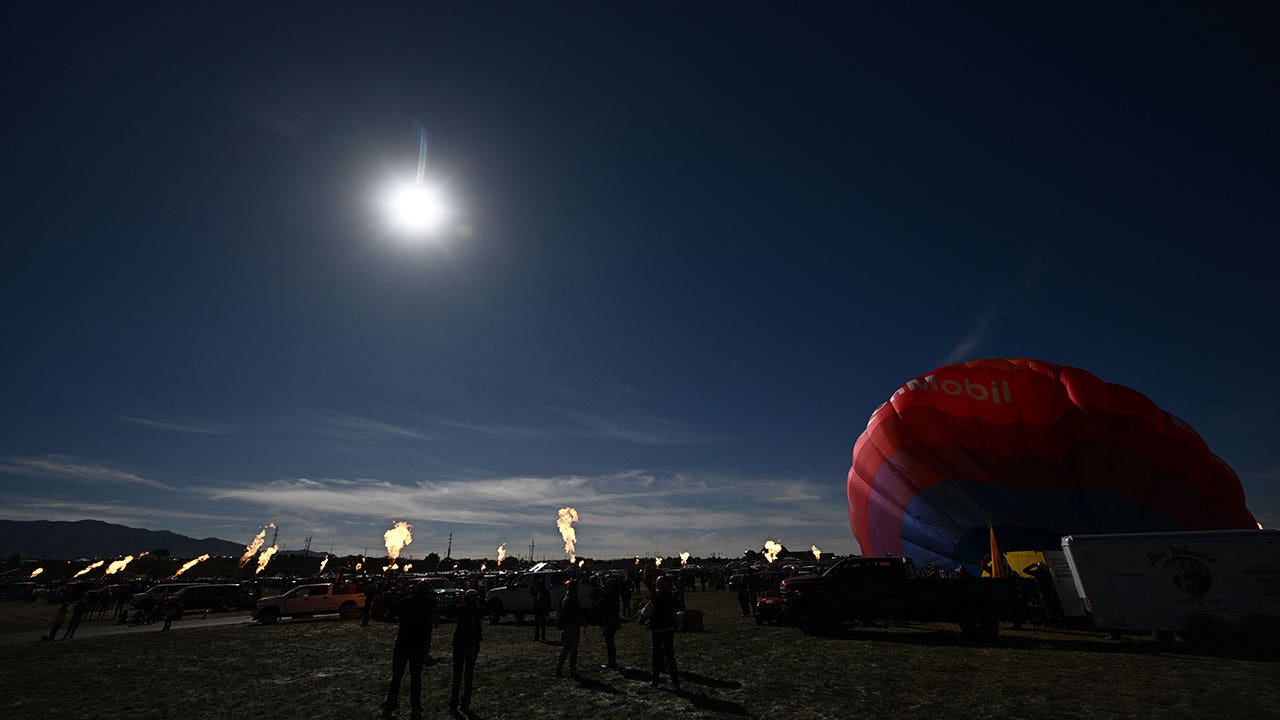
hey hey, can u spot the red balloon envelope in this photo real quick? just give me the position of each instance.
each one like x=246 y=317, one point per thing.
x=1039 y=451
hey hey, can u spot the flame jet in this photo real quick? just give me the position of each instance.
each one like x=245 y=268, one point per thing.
x=817 y=553
x=190 y=564
x=118 y=565
x=98 y=564
x=396 y=538
x=568 y=516
x=684 y=558
x=771 y=549
x=502 y=553
x=253 y=547
x=265 y=558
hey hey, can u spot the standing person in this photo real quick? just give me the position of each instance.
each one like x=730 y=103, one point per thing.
x=744 y=597
x=370 y=591
x=59 y=617
x=431 y=626
x=662 y=623
x=77 y=614
x=541 y=608
x=172 y=611
x=569 y=620
x=624 y=593
x=609 y=623
x=466 y=648
x=416 y=613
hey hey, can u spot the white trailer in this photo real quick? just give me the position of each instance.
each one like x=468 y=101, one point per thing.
x=1216 y=589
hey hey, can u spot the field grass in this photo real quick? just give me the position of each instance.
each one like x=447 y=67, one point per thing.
x=25 y=616
x=326 y=668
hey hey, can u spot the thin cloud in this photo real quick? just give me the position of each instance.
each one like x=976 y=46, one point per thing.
x=351 y=427
x=198 y=429
x=509 y=432
x=64 y=467
x=977 y=337
x=639 y=429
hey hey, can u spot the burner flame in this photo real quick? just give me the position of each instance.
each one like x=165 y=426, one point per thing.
x=771 y=550
x=568 y=516
x=396 y=538
x=190 y=564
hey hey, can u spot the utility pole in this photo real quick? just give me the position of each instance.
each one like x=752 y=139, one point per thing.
x=449 y=552
x=530 y=549
x=306 y=547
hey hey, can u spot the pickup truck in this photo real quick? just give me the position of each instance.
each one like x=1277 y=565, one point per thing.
x=878 y=588
x=308 y=600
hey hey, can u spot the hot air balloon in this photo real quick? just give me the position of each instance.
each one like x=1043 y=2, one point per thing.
x=1038 y=451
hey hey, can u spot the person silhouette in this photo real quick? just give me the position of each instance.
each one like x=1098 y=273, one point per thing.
x=662 y=625
x=417 y=612
x=466 y=648
x=569 y=619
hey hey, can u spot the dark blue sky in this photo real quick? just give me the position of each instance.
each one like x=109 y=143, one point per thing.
x=693 y=248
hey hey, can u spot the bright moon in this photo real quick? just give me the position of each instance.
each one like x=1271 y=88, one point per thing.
x=416 y=208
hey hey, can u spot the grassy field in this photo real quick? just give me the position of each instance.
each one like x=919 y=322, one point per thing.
x=326 y=668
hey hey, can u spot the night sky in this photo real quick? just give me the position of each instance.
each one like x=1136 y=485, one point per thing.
x=692 y=246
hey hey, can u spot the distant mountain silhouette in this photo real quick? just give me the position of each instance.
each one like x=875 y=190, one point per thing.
x=94 y=538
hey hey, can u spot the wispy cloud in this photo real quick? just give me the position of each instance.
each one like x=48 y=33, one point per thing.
x=65 y=467
x=968 y=345
x=351 y=427
x=644 y=430
x=976 y=338
x=491 y=429
x=179 y=427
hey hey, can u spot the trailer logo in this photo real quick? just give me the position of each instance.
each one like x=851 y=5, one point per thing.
x=1190 y=576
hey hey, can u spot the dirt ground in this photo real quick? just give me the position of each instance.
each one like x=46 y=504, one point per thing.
x=327 y=668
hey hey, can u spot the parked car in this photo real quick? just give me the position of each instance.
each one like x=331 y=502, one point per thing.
x=448 y=600
x=516 y=597
x=770 y=609
x=159 y=592
x=215 y=598
x=19 y=591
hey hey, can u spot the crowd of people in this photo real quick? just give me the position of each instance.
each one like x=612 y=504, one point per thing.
x=659 y=598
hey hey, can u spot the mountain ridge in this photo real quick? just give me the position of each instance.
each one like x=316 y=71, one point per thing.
x=96 y=538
